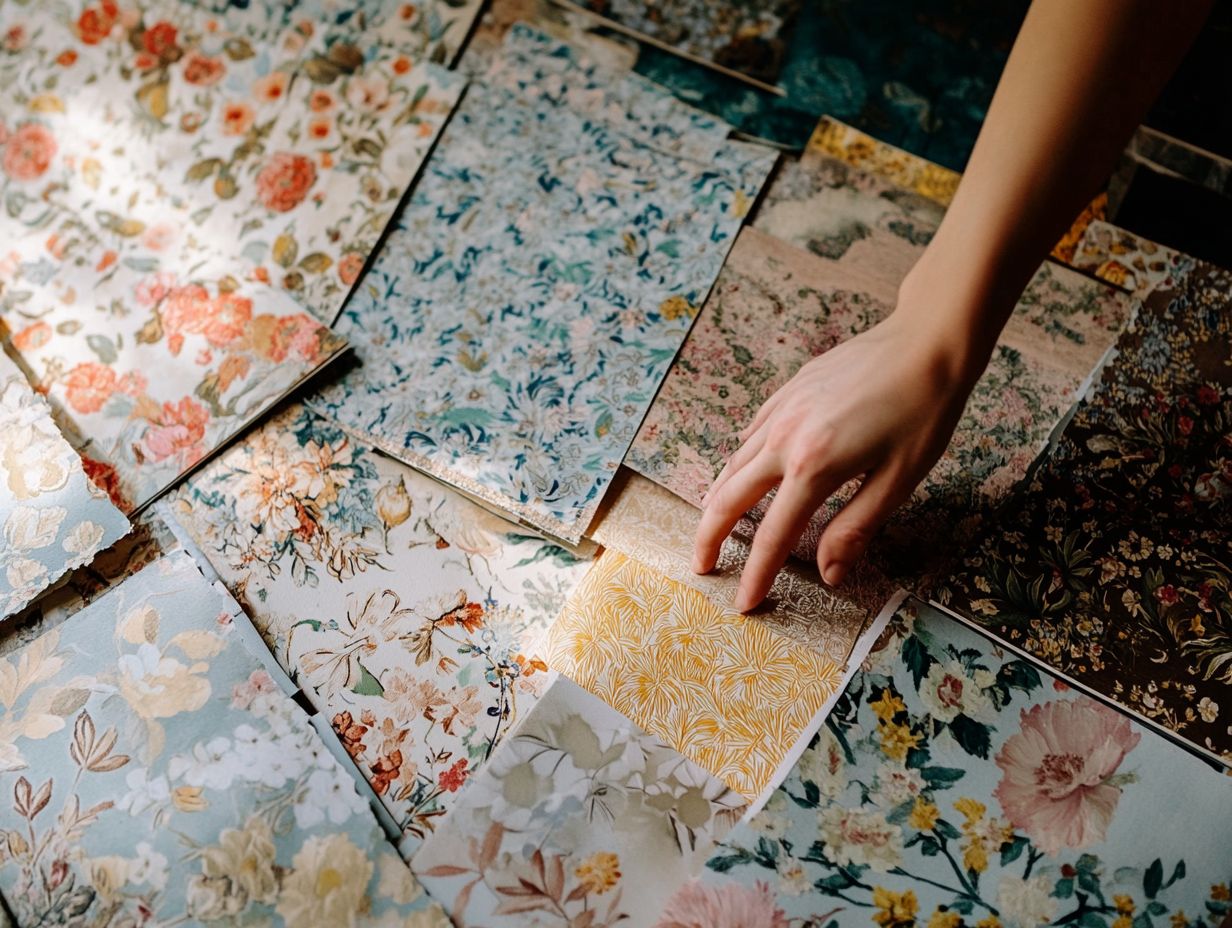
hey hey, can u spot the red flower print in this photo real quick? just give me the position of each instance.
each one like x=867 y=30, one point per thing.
x=350 y=733
x=228 y=317
x=15 y=38
x=1185 y=425
x=385 y=771
x=96 y=22
x=284 y=181
x=89 y=386
x=320 y=101
x=28 y=152
x=349 y=266
x=67 y=58
x=402 y=64
x=452 y=780
x=144 y=61
x=202 y=70
x=105 y=477
x=35 y=335
x=319 y=129
x=179 y=432
x=1167 y=594
x=159 y=39
x=1207 y=395
x=271 y=88
x=236 y=118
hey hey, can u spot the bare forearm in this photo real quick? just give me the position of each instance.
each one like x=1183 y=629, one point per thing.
x=1080 y=78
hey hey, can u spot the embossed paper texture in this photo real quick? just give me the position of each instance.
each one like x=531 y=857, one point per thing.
x=956 y=784
x=723 y=689
x=581 y=818
x=519 y=318
x=1112 y=564
x=282 y=155
x=156 y=774
x=53 y=518
x=734 y=359
x=410 y=617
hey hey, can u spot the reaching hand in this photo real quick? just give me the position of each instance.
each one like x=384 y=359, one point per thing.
x=882 y=404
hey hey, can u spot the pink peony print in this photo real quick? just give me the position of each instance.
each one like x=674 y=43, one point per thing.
x=179 y=433
x=1059 y=785
x=698 y=905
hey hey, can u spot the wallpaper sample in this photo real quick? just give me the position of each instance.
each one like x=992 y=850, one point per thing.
x=520 y=316
x=158 y=775
x=152 y=369
x=410 y=617
x=837 y=211
x=652 y=525
x=723 y=689
x=1124 y=259
x=733 y=361
x=53 y=518
x=581 y=818
x=541 y=68
x=836 y=140
x=285 y=159
x=1112 y=564
x=743 y=36
x=957 y=785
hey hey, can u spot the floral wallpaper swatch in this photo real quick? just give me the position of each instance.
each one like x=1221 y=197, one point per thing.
x=412 y=618
x=581 y=818
x=655 y=527
x=733 y=361
x=53 y=518
x=283 y=157
x=155 y=773
x=742 y=36
x=519 y=318
x=1122 y=258
x=957 y=785
x=1112 y=564
x=724 y=689
x=153 y=370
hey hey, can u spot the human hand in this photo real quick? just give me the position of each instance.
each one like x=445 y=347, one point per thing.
x=883 y=404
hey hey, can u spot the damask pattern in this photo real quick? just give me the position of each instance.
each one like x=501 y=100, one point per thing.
x=159 y=775
x=412 y=618
x=1112 y=565
x=956 y=785
x=723 y=689
x=516 y=323
x=581 y=818
x=53 y=518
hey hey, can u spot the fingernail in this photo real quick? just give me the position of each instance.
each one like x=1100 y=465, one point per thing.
x=742 y=601
x=698 y=566
x=835 y=572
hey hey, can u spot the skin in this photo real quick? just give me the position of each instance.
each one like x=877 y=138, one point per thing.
x=884 y=404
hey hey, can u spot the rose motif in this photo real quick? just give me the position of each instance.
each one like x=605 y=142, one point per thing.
x=284 y=181
x=28 y=152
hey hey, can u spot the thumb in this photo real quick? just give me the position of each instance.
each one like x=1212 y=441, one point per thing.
x=848 y=534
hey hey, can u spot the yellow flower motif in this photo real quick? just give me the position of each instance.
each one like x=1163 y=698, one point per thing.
x=1220 y=892
x=975 y=855
x=989 y=922
x=1124 y=904
x=190 y=798
x=677 y=307
x=599 y=872
x=894 y=910
x=940 y=919
x=1179 y=919
x=970 y=809
x=897 y=740
x=923 y=815
x=1122 y=921
x=886 y=706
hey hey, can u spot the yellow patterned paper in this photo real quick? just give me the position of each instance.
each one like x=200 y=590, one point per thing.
x=834 y=139
x=724 y=690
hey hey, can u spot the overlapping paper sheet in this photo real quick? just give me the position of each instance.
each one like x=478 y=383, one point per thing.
x=581 y=818
x=411 y=617
x=547 y=267
x=159 y=774
x=53 y=518
x=957 y=784
x=741 y=37
x=283 y=155
x=776 y=307
x=724 y=689
x=1112 y=564
x=1124 y=259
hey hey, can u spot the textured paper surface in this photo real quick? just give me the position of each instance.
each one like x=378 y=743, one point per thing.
x=581 y=818
x=410 y=617
x=734 y=360
x=954 y=782
x=1112 y=564
x=514 y=328
x=654 y=526
x=53 y=518
x=158 y=774
x=723 y=689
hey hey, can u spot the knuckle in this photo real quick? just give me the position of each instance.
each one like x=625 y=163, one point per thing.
x=851 y=535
